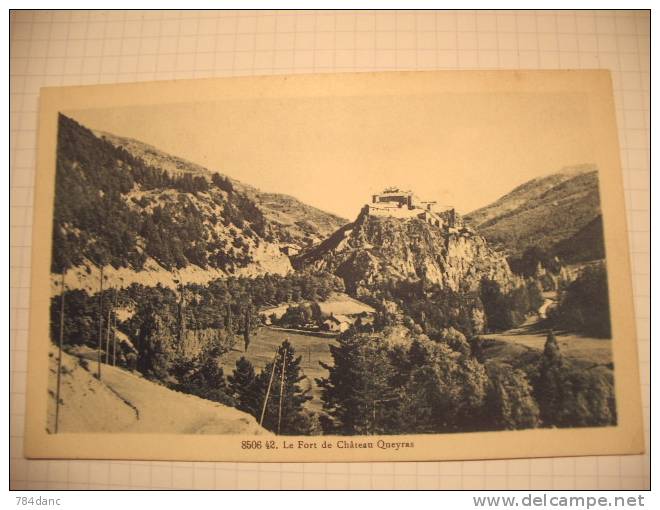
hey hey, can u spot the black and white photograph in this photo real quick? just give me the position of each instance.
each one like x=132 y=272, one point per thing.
x=363 y=266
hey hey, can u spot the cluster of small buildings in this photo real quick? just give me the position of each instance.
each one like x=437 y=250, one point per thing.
x=340 y=323
x=327 y=322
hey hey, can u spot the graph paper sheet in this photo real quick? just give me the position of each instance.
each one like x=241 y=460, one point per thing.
x=74 y=48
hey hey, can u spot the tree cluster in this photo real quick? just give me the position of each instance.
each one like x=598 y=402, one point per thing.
x=531 y=259
x=302 y=316
x=424 y=387
x=429 y=306
x=570 y=396
x=162 y=321
x=375 y=387
x=507 y=310
x=202 y=376
x=432 y=308
x=584 y=304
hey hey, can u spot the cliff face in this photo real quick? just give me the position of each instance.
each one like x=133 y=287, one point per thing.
x=374 y=248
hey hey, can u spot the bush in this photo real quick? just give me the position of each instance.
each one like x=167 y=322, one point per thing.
x=203 y=377
x=509 y=400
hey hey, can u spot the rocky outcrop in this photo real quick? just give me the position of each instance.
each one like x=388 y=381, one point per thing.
x=375 y=248
x=266 y=259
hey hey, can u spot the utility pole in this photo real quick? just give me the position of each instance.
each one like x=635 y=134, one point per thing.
x=114 y=341
x=181 y=318
x=107 y=337
x=270 y=383
x=111 y=310
x=59 y=357
x=114 y=326
x=279 y=411
x=100 y=325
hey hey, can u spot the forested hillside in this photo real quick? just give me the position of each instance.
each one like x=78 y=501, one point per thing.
x=291 y=220
x=294 y=222
x=544 y=213
x=113 y=208
x=585 y=245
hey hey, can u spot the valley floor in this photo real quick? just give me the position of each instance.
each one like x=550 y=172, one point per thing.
x=531 y=336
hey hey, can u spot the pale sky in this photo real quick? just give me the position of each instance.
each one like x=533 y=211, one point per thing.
x=464 y=150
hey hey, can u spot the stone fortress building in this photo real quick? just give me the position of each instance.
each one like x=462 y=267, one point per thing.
x=398 y=203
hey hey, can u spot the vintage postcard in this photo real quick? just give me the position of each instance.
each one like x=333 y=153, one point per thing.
x=357 y=267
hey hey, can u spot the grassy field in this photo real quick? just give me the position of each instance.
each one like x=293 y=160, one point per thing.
x=529 y=338
x=343 y=304
x=526 y=341
x=264 y=344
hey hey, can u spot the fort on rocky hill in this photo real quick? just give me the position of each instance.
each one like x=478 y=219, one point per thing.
x=404 y=204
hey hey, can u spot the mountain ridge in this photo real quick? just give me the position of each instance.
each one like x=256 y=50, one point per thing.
x=294 y=221
x=542 y=212
x=149 y=217
x=113 y=209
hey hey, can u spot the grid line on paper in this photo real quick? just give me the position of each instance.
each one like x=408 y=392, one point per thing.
x=87 y=47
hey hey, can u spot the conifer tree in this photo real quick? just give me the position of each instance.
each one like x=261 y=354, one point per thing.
x=569 y=396
x=212 y=378
x=155 y=346
x=549 y=387
x=204 y=377
x=358 y=392
x=242 y=385
x=228 y=320
x=295 y=421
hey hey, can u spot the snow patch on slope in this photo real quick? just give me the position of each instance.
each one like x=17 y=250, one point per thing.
x=125 y=402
